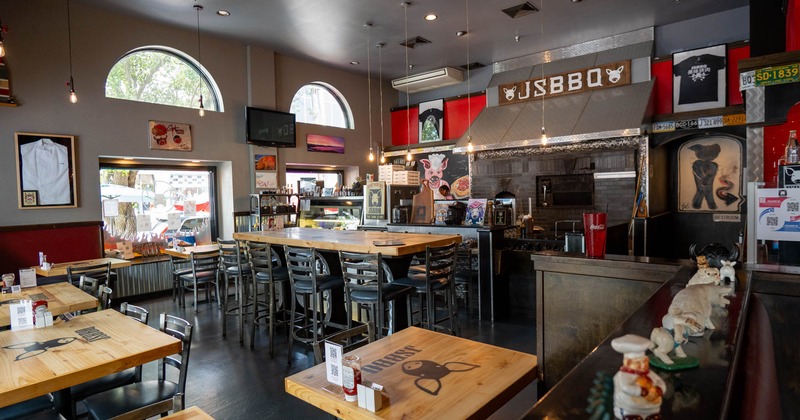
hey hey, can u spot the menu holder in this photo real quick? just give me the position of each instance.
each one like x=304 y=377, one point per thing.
x=390 y=242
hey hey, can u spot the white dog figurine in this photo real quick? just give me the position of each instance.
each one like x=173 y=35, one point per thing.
x=727 y=272
x=662 y=343
x=693 y=304
x=708 y=275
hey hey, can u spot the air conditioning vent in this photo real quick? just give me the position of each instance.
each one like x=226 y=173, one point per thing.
x=415 y=42
x=429 y=80
x=520 y=10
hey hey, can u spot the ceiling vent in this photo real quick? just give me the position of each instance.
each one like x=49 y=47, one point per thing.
x=414 y=42
x=429 y=80
x=520 y=10
x=473 y=65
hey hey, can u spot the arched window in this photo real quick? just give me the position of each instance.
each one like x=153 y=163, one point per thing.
x=320 y=103
x=162 y=75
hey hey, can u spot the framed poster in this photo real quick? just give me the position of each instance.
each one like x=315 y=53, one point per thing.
x=375 y=202
x=710 y=175
x=699 y=79
x=320 y=143
x=266 y=180
x=431 y=120
x=266 y=162
x=476 y=209
x=46 y=171
x=169 y=136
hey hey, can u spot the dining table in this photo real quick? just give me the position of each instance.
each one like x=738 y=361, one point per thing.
x=89 y=346
x=60 y=269
x=424 y=375
x=61 y=297
x=185 y=252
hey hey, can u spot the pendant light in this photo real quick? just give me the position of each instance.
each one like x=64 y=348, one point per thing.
x=380 y=86
x=541 y=22
x=198 y=8
x=369 y=91
x=405 y=5
x=73 y=98
x=470 y=148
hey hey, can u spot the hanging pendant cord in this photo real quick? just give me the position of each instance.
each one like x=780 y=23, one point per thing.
x=69 y=41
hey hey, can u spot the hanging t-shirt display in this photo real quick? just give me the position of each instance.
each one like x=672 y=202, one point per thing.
x=699 y=80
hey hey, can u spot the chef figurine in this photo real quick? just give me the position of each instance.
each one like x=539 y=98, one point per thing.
x=637 y=390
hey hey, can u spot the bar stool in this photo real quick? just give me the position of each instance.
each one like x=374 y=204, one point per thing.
x=366 y=283
x=466 y=277
x=234 y=265
x=305 y=280
x=267 y=272
x=439 y=278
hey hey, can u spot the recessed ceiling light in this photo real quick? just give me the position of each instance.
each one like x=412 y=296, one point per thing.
x=223 y=13
x=461 y=33
x=355 y=63
x=430 y=16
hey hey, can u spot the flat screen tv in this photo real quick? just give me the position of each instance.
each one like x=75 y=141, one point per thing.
x=270 y=128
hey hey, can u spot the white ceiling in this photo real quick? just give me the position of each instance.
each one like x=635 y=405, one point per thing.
x=333 y=31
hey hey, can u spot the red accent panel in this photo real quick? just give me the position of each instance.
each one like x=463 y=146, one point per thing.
x=662 y=72
x=734 y=55
x=793 y=26
x=401 y=124
x=20 y=248
x=775 y=141
x=456 y=120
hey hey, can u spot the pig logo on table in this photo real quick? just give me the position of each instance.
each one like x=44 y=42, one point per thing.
x=434 y=169
x=614 y=75
x=429 y=374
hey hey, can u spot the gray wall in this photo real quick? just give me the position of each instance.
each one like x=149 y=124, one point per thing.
x=38 y=61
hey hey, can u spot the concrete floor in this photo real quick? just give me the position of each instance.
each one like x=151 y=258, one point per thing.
x=231 y=381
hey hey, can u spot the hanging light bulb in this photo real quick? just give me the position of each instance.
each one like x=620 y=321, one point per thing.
x=544 y=137
x=2 y=47
x=73 y=98
x=383 y=157
x=202 y=108
x=470 y=148
x=371 y=155
x=409 y=157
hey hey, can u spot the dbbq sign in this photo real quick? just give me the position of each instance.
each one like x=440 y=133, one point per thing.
x=577 y=81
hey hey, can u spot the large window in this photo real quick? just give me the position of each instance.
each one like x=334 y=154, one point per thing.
x=162 y=75
x=157 y=204
x=320 y=103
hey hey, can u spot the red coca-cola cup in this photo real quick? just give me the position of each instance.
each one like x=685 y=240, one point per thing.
x=594 y=225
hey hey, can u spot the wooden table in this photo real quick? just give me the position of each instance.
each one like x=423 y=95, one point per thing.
x=464 y=378
x=349 y=240
x=61 y=297
x=187 y=251
x=35 y=362
x=191 y=413
x=60 y=269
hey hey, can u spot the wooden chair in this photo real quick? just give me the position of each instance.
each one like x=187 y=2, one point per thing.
x=149 y=398
x=439 y=278
x=365 y=281
x=128 y=376
x=350 y=339
x=268 y=273
x=305 y=280
x=99 y=272
x=205 y=270
x=234 y=265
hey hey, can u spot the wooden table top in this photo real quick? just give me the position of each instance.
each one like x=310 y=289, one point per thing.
x=187 y=250
x=35 y=362
x=192 y=413
x=60 y=269
x=349 y=240
x=61 y=297
x=425 y=374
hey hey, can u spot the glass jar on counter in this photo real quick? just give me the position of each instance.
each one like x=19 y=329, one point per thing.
x=351 y=377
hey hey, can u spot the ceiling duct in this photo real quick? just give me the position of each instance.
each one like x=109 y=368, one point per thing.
x=429 y=80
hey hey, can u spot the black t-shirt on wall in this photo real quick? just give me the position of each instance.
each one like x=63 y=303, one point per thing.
x=699 y=78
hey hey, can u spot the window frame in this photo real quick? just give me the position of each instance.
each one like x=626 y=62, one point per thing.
x=344 y=106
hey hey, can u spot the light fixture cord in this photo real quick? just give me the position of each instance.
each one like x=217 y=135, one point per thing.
x=380 y=84
x=69 y=43
x=369 y=85
x=544 y=59
x=408 y=103
x=469 y=83
x=198 y=7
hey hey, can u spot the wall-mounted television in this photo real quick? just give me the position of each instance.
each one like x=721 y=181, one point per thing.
x=270 y=128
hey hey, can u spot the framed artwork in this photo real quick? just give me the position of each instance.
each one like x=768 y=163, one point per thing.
x=476 y=209
x=440 y=211
x=328 y=144
x=169 y=136
x=266 y=162
x=431 y=120
x=699 y=79
x=46 y=171
x=445 y=168
x=375 y=202
x=710 y=175
x=267 y=180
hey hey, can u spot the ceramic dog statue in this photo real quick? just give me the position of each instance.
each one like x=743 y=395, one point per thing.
x=708 y=275
x=727 y=272
x=694 y=303
x=662 y=343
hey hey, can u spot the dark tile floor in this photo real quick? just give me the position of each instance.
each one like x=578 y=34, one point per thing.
x=231 y=381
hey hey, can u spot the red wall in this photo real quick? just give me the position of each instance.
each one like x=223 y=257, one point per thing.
x=775 y=137
x=20 y=245
x=793 y=26
x=456 y=120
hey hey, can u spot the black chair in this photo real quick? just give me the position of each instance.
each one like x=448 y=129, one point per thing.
x=205 y=270
x=149 y=398
x=128 y=376
x=366 y=284
x=305 y=280
x=466 y=277
x=39 y=408
x=268 y=273
x=99 y=272
x=180 y=266
x=439 y=278
x=234 y=265
x=349 y=339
